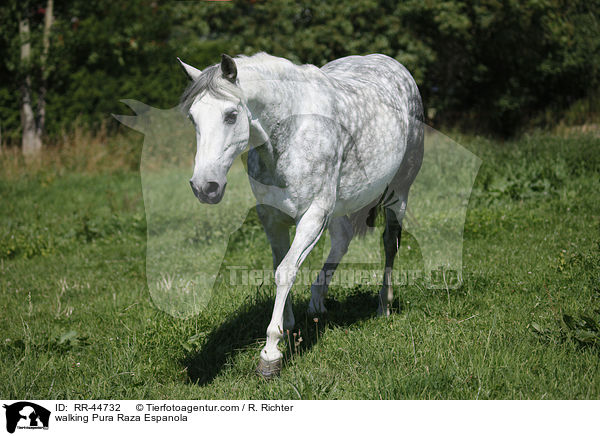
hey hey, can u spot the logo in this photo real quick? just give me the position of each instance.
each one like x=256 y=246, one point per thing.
x=26 y=415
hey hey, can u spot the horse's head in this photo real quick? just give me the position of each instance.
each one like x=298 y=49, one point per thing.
x=216 y=106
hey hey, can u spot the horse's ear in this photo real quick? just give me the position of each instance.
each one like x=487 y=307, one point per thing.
x=228 y=68
x=192 y=73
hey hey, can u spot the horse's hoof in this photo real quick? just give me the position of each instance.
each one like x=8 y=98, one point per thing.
x=383 y=312
x=269 y=370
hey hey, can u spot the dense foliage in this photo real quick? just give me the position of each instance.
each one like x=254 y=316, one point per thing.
x=495 y=64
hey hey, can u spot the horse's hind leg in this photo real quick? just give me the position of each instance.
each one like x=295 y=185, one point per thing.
x=277 y=228
x=341 y=232
x=391 y=243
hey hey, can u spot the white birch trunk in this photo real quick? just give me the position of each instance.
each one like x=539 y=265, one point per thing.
x=49 y=18
x=30 y=141
x=33 y=123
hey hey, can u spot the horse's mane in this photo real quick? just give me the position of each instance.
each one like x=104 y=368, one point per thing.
x=263 y=64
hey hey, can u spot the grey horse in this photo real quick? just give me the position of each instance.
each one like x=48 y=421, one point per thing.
x=327 y=147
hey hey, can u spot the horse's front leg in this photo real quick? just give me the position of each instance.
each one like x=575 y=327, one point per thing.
x=308 y=231
x=277 y=228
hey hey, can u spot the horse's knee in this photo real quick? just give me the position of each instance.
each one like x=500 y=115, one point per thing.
x=340 y=250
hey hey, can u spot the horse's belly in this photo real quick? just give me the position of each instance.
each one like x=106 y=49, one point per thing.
x=372 y=160
x=348 y=205
x=362 y=182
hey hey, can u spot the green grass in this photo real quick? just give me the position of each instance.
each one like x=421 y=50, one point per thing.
x=77 y=319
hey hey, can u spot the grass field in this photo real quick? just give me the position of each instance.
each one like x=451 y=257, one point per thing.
x=77 y=319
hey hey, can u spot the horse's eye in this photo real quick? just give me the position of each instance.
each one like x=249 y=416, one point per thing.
x=231 y=117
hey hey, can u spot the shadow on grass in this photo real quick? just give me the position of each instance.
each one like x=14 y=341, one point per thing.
x=247 y=326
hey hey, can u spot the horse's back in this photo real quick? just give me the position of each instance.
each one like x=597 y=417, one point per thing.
x=379 y=74
x=361 y=68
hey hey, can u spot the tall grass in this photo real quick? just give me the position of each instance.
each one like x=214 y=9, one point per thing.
x=78 y=151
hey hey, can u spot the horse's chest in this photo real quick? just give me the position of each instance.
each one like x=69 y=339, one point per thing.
x=291 y=179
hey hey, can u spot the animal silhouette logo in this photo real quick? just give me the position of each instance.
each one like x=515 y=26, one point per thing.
x=26 y=415
x=187 y=241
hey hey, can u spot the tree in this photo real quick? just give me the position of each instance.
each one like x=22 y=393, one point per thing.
x=494 y=66
x=33 y=122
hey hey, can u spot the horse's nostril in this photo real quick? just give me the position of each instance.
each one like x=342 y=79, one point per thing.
x=211 y=187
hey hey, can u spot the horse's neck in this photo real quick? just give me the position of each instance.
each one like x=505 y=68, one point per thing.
x=271 y=97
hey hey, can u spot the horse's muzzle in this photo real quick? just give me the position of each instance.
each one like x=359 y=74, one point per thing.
x=208 y=192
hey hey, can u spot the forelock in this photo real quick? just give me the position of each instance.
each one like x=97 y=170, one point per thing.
x=209 y=81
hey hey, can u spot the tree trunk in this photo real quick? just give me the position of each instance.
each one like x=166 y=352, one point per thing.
x=30 y=141
x=32 y=123
x=49 y=18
